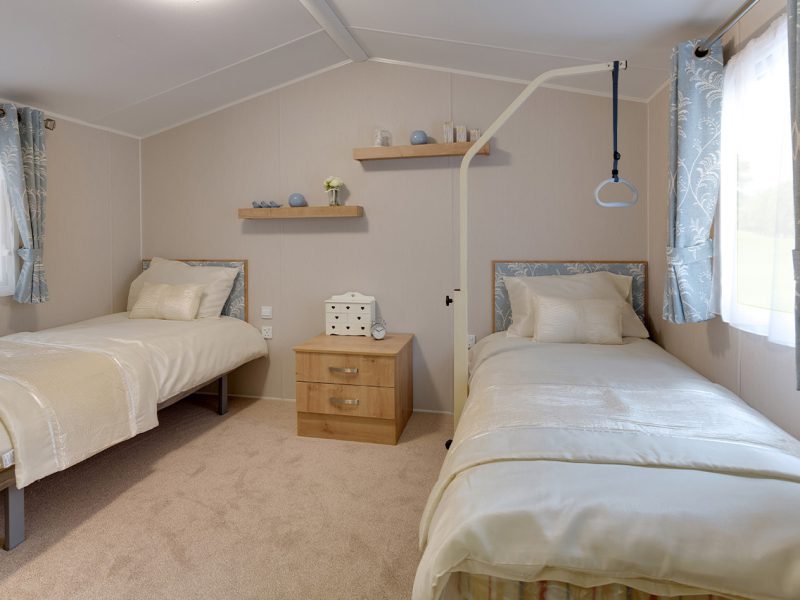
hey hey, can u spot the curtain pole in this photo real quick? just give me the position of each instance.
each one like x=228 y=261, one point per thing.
x=704 y=46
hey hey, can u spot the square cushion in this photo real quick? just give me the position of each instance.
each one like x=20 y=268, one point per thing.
x=165 y=301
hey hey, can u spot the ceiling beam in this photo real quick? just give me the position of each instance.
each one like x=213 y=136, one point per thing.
x=334 y=27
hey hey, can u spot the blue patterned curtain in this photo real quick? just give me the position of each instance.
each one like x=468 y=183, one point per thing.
x=695 y=123
x=794 y=80
x=23 y=158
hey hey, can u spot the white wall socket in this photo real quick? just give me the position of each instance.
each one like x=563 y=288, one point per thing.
x=470 y=340
x=266 y=312
x=266 y=333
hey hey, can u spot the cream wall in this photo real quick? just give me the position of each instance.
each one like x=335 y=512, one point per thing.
x=760 y=372
x=528 y=202
x=92 y=242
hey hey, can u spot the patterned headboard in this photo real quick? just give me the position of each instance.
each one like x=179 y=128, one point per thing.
x=236 y=305
x=501 y=306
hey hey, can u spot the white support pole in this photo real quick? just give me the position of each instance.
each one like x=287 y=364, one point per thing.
x=460 y=315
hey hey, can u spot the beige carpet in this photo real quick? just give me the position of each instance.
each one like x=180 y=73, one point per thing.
x=230 y=507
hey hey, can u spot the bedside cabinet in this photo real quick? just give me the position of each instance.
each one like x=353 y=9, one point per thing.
x=354 y=388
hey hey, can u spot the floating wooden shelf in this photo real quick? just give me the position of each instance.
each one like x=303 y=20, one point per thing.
x=419 y=151
x=304 y=212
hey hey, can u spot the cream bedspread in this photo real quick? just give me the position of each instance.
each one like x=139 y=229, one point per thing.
x=180 y=355
x=69 y=392
x=62 y=405
x=599 y=464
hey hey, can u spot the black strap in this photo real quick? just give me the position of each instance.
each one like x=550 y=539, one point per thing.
x=615 y=101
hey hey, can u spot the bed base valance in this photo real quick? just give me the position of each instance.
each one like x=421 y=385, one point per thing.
x=484 y=587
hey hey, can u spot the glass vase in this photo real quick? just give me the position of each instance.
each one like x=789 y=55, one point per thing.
x=333 y=197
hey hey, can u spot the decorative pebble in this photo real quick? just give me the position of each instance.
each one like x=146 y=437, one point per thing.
x=297 y=200
x=419 y=137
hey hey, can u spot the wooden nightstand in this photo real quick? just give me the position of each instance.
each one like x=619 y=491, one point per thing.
x=354 y=388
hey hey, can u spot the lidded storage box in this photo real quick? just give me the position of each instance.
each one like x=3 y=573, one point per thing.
x=349 y=314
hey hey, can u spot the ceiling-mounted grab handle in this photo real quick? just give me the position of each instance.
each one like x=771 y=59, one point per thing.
x=634 y=198
x=615 y=178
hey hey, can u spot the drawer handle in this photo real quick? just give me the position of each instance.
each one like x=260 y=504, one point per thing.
x=343 y=401
x=344 y=370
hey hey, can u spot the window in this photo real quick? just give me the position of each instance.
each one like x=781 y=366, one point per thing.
x=7 y=242
x=755 y=225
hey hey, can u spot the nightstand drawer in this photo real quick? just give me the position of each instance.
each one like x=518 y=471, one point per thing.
x=351 y=369
x=350 y=400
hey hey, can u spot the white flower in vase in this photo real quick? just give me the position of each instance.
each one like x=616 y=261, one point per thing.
x=332 y=186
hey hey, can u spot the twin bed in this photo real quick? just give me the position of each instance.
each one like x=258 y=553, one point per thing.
x=591 y=471
x=69 y=392
x=577 y=471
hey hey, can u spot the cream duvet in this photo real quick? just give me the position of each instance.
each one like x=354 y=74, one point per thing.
x=69 y=392
x=612 y=464
x=61 y=405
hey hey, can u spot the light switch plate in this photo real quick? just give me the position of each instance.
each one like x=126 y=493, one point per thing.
x=266 y=312
x=470 y=340
x=266 y=333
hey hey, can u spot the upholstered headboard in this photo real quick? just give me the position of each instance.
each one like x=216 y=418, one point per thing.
x=236 y=305
x=501 y=308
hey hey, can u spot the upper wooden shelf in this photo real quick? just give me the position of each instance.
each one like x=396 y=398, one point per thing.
x=419 y=151
x=304 y=212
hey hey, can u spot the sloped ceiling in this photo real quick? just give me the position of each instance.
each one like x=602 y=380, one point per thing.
x=141 y=66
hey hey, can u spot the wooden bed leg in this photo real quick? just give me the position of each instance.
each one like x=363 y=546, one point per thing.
x=222 y=395
x=15 y=517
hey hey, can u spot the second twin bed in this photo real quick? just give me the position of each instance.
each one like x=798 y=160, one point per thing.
x=607 y=471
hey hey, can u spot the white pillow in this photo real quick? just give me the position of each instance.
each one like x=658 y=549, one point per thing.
x=592 y=321
x=164 y=301
x=522 y=292
x=217 y=282
x=624 y=283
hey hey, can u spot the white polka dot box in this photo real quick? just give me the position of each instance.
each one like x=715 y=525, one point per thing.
x=350 y=313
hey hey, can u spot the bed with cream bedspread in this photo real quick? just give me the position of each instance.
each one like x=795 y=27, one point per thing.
x=69 y=392
x=596 y=464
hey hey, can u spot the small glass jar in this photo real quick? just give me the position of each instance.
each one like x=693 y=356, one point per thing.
x=383 y=137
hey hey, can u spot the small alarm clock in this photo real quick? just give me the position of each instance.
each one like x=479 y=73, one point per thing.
x=378 y=330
